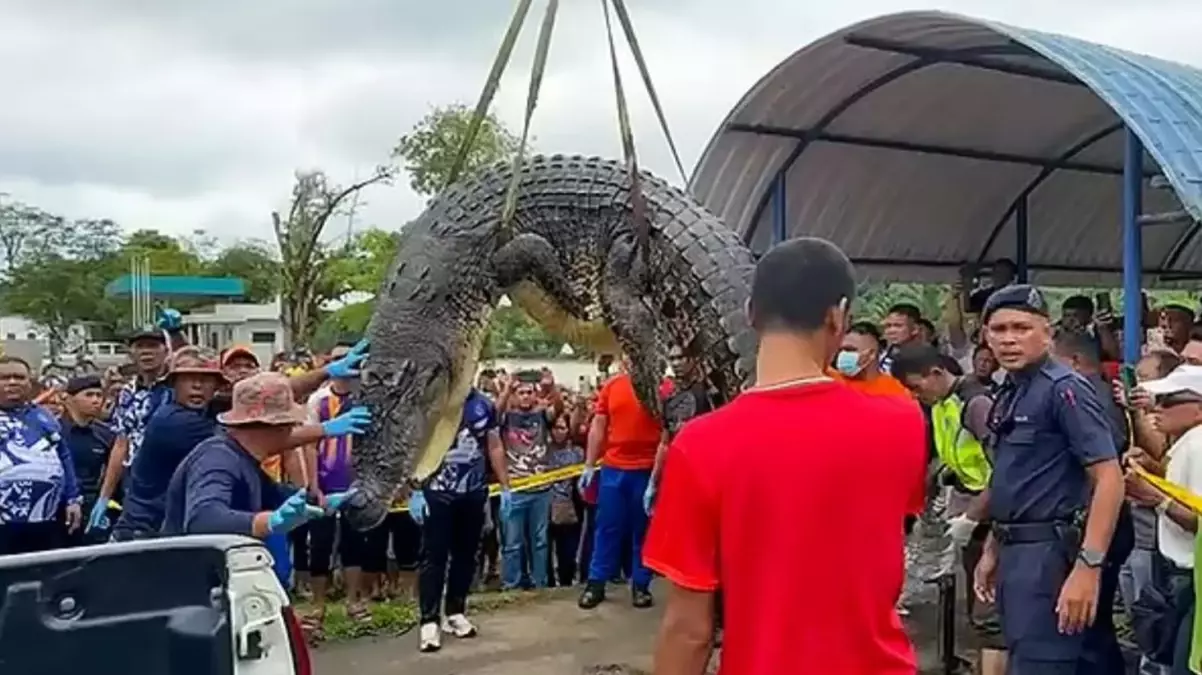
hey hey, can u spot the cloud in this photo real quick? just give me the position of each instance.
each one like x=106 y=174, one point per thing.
x=184 y=115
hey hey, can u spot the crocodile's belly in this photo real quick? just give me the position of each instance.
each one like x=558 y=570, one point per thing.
x=548 y=313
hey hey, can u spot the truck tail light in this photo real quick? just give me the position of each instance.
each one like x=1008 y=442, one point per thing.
x=301 y=662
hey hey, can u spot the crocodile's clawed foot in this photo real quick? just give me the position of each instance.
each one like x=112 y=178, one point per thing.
x=530 y=256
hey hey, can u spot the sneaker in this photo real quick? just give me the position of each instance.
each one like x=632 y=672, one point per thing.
x=593 y=595
x=641 y=598
x=431 y=637
x=902 y=609
x=459 y=626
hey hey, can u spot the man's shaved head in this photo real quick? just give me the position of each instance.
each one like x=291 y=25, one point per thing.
x=798 y=283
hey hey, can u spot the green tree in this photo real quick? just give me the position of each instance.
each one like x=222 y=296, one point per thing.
x=428 y=151
x=253 y=262
x=364 y=260
x=168 y=256
x=23 y=230
x=513 y=333
x=58 y=281
x=305 y=279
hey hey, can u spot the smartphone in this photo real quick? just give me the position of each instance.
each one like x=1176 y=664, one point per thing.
x=1127 y=377
x=1102 y=303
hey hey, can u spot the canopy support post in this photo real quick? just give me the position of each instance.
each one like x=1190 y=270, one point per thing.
x=1020 y=241
x=779 y=204
x=1133 y=330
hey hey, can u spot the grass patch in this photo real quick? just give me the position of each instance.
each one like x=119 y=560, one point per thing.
x=394 y=618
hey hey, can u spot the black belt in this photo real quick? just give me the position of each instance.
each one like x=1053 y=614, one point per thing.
x=1029 y=533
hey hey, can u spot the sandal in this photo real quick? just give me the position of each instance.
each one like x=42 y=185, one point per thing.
x=359 y=612
x=312 y=625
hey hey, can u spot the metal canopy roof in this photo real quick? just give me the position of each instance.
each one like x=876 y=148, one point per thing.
x=911 y=140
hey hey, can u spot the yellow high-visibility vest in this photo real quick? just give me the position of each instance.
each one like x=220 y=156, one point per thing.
x=958 y=449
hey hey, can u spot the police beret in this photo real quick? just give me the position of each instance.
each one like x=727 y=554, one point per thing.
x=1023 y=297
x=83 y=383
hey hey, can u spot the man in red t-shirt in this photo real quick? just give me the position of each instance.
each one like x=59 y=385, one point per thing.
x=791 y=498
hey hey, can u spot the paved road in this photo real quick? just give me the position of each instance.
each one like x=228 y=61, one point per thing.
x=549 y=638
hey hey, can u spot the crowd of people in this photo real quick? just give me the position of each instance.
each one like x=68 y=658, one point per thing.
x=1020 y=421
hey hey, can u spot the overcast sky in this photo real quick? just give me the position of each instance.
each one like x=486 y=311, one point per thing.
x=184 y=115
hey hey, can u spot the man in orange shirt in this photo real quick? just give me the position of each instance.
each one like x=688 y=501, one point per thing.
x=858 y=363
x=625 y=437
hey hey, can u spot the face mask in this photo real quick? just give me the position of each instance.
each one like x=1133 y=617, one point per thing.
x=848 y=363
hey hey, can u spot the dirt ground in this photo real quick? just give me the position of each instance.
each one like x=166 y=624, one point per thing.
x=549 y=638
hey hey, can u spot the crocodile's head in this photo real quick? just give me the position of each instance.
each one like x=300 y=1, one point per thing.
x=421 y=368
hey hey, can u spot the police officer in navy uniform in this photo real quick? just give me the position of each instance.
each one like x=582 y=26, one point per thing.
x=1055 y=496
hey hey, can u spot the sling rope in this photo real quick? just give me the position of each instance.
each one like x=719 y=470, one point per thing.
x=491 y=85
x=638 y=202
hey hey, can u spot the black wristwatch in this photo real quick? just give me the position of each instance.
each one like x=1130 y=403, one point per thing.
x=1092 y=559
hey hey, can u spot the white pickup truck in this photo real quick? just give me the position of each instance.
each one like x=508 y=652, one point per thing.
x=201 y=605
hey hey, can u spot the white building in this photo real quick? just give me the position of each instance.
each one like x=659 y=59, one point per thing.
x=222 y=325
x=14 y=327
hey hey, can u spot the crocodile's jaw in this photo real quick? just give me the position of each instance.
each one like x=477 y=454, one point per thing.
x=447 y=415
x=422 y=420
x=551 y=317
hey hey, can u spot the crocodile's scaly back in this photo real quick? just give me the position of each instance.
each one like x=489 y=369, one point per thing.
x=570 y=260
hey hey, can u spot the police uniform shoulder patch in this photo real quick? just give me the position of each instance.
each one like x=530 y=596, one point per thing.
x=1068 y=396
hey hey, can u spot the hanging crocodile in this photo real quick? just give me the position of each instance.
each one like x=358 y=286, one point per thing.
x=573 y=257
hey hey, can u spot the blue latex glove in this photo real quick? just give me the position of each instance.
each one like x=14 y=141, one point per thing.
x=293 y=513
x=506 y=503
x=98 y=519
x=586 y=478
x=348 y=366
x=354 y=421
x=649 y=498
x=168 y=319
x=418 y=509
x=335 y=500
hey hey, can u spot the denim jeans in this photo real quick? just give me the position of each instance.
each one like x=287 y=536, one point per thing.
x=620 y=518
x=527 y=520
x=278 y=545
x=1138 y=573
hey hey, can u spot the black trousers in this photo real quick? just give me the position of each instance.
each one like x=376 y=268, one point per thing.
x=299 y=538
x=323 y=532
x=32 y=537
x=565 y=544
x=490 y=544
x=450 y=540
x=406 y=537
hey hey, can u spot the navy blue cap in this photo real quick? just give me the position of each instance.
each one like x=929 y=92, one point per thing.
x=1023 y=297
x=83 y=383
x=145 y=332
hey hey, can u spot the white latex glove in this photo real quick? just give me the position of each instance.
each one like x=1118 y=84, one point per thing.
x=960 y=529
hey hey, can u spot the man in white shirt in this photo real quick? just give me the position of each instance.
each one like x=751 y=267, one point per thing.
x=1178 y=408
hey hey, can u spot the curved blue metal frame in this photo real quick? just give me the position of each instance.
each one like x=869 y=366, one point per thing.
x=1081 y=146
x=1159 y=101
x=843 y=106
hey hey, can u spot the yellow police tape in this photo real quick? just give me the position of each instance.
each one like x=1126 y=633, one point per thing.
x=1176 y=492
x=516 y=485
x=523 y=484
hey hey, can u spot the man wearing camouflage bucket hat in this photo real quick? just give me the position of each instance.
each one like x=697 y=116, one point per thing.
x=221 y=488
x=181 y=425
x=174 y=429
